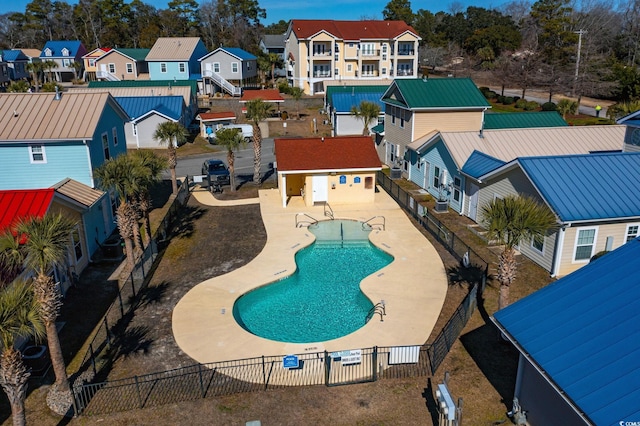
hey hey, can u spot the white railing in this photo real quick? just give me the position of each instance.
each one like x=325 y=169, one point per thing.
x=224 y=84
x=106 y=75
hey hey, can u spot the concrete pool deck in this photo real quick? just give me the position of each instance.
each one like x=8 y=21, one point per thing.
x=413 y=286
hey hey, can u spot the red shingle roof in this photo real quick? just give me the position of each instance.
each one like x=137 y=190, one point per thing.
x=267 y=95
x=22 y=204
x=340 y=153
x=351 y=30
x=227 y=115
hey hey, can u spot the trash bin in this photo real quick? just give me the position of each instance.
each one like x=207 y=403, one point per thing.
x=36 y=357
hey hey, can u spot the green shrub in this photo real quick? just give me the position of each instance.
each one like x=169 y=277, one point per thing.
x=549 y=106
x=521 y=103
x=508 y=100
x=516 y=98
x=500 y=99
x=531 y=105
x=283 y=86
x=490 y=94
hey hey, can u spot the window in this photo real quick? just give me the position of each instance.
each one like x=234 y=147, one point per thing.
x=350 y=44
x=77 y=244
x=632 y=232
x=537 y=243
x=384 y=47
x=66 y=63
x=336 y=57
x=92 y=62
x=368 y=49
x=319 y=49
x=216 y=67
x=47 y=52
x=402 y=122
x=436 y=177
x=349 y=68
x=129 y=68
x=182 y=67
x=65 y=51
x=163 y=67
x=585 y=244
x=112 y=68
x=234 y=67
x=393 y=116
x=384 y=71
x=384 y=56
x=337 y=71
x=456 y=188
x=36 y=153
x=134 y=129
x=105 y=146
x=114 y=133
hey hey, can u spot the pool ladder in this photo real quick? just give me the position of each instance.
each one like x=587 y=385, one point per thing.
x=380 y=309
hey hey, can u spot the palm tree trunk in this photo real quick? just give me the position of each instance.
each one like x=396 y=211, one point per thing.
x=506 y=275
x=128 y=248
x=13 y=378
x=57 y=360
x=232 y=174
x=257 y=153
x=174 y=181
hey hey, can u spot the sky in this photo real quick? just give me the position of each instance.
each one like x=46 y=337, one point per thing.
x=311 y=9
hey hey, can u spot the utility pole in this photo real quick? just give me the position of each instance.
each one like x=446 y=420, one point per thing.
x=575 y=78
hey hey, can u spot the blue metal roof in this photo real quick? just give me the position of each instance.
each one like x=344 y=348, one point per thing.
x=13 y=55
x=135 y=107
x=56 y=47
x=587 y=187
x=240 y=53
x=583 y=332
x=343 y=102
x=480 y=163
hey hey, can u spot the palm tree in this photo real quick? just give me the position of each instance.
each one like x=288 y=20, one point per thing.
x=46 y=247
x=511 y=220
x=123 y=176
x=257 y=110
x=19 y=318
x=152 y=167
x=35 y=68
x=231 y=139
x=367 y=112
x=172 y=134
x=296 y=93
x=275 y=61
x=48 y=66
x=11 y=257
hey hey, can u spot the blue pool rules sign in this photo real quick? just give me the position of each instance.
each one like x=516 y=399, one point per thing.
x=290 y=361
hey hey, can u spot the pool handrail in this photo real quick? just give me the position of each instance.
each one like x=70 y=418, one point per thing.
x=383 y=224
x=307 y=223
x=328 y=213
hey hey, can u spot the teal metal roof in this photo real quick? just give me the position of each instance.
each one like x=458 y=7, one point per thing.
x=145 y=83
x=137 y=54
x=436 y=93
x=523 y=120
x=582 y=332
x=587 y=187
x=379 y=128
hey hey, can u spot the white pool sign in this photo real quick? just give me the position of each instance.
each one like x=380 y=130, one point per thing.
x=290 y=361
x=353 y=356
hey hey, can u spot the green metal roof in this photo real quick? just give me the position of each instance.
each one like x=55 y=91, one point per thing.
x=145 y=83
x=137 y=54
x=523 y=120
x=435 y=93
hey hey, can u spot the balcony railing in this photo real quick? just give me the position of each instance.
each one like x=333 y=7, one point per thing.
x=321 y=74
x=325 y=53
x=374 y=52
x=403 y=73
x=406 y=52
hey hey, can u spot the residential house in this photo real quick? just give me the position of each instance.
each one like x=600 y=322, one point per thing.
x=417 y=107
x=632 y=133
x=123 y=64
x=146 y=113
x=48 y=137
x=67 y=55
x=16 y=63
x=333 y=170
x=449 y=164
x=33 y=55
x=4 y=72
x=578 y=340
x=89 y=208
x=176 y=58
x=340 y=101
x=274 y=43
x=209 y=122
x=595 y=197
x=319 y=50
x=89 y=62
x=228 y=69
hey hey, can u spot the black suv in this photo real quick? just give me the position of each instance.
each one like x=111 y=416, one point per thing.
x=217 y=171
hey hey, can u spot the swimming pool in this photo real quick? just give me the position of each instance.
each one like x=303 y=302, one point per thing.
x=322 y=299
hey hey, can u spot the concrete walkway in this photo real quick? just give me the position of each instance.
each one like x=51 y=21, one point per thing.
x=413 y=286
x=205 y=197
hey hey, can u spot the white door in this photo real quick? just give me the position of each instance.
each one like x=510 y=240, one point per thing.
x=320 y=188
x=473 y=201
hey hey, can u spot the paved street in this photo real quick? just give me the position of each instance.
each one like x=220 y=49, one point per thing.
x=587 y=105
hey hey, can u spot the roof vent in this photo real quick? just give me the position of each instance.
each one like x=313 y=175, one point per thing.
x=58 y=95
x=15 y=112
x=481 y=134
x=322 y=139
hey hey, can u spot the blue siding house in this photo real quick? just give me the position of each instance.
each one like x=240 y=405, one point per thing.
x=579 y=341
x=65 y=53
x=16 y=64
x=176 y=58
x=48 y=137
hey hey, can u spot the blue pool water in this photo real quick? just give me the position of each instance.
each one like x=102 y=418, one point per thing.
x=322 y=299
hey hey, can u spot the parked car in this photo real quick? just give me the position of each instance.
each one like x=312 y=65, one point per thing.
x=246 y=129
x=216 y=171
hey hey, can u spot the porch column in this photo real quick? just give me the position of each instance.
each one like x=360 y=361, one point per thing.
x=283 y=190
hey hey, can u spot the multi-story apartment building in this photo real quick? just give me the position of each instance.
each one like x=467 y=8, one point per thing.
x=321 y=50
